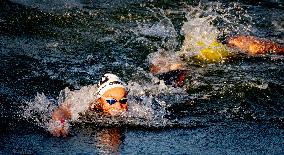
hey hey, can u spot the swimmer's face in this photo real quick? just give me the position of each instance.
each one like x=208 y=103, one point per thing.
x=113 y=101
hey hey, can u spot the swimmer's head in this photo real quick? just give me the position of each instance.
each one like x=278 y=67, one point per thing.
x=112 y=94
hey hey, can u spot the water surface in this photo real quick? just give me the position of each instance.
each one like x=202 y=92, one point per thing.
x=232 y=107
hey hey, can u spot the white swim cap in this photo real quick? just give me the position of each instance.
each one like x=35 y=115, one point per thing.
x=108 y=82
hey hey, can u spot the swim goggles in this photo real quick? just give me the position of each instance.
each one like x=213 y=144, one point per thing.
x=113 y=101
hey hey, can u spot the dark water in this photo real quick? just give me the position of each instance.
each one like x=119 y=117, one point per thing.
x=234 y=107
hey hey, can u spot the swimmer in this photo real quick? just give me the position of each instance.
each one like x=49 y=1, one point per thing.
x=172 y=70
x=110 y=97
x=169 y=68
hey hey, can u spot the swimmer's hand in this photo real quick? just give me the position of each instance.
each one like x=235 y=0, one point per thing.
x=59 y=128
x=59 y=125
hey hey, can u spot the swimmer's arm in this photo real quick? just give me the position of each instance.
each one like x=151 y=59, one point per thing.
x=59 y=124
x=156 y=69
x=62 y=113
x=254 y=46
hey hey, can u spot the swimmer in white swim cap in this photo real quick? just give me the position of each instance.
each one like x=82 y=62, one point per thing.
x=110 y=97
x=112 y=94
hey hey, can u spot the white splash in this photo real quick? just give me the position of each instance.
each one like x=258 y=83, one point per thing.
x=198 y=33
x=208 y=22
x=148 y=103
x=39 y=110
x=163 y=29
